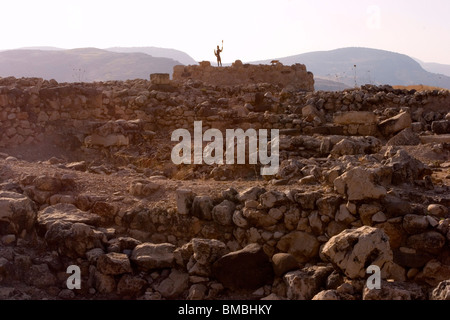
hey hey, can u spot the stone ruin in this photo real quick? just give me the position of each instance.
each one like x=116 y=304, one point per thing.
x=295 y=76
x=86 y=179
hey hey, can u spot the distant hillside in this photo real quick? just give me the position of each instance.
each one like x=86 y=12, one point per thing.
x=435 y=67
x=328 y=85
x=177 y=55
x=87 y=64
x=372 y=66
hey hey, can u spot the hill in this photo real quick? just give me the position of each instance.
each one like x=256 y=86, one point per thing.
x=372 y=66
x=328 y=85
x=86 y=64
x=435 y=67
x=177 y=55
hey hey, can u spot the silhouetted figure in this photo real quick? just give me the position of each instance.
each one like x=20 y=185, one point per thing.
x=217 y=54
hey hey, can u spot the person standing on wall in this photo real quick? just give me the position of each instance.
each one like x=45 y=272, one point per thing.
x=217 y=54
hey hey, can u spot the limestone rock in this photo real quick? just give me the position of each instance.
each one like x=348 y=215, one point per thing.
x=104 y=283
x=197 y=292
x=405 y=137
x=143 y=188
x=411 y=258
x=131 y=286
x=255 y=217
x=357 y=184
x=303 y=246
x=431 y=242
x=355 y=117
x=223 y=213
x=114 y=264
x=73 y=239
x=272 y=198
x=249 y=268
x=343 y=215
x=284 y=262
x=331 y=295
x=306 y=283
x=174 y=285
x=207 y=251
x=435 y=272
x=202 y=207
x=395 y=124
x=184 y=199
x=252 y=193
x=40 y=276
x=441 y=127
x=148 y=256
x=414 y=224
x=442 y=291
x=394 y=291
x=108 y=141
x=17 y=213
x=64 y=212
x=353 y=250
x=405 y=167
x=360 y=145
x=437 y=210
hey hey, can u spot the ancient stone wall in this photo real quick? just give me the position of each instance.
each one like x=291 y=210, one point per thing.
x=33 y=108
x=337 y=192
x=295 y=76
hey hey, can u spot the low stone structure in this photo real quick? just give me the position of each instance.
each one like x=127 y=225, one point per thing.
x=295 y=76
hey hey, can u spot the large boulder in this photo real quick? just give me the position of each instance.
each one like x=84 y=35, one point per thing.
x=249 y=268
x=148 y=256
x=17 y=213
x=352 y=251
x=358 y=184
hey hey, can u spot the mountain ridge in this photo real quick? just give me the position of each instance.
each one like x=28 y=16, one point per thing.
x=82 y=64
x=373 y=66
x=333 y=69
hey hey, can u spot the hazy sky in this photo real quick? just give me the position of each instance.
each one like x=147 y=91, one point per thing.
x=251 y=29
